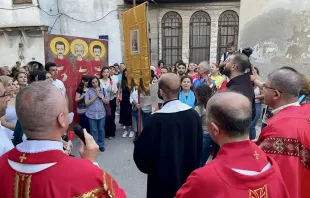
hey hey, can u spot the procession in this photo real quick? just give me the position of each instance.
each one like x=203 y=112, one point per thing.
x=132 y=113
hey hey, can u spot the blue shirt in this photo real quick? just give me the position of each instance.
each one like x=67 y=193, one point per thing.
x=95 y=110
x=198 y=82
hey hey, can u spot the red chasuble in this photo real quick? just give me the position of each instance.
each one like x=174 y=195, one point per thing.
x=83 y=64
x=67 y=69
x=94 y=64
x=69 y=177
x=217 y=179
x=286 y=138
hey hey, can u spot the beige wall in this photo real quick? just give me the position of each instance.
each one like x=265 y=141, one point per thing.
x=278 y=31
x=185 y=10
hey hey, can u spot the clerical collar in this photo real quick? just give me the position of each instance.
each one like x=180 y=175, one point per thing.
x=284 y=106
x=173 y=106
x=169 y=101
x=37 y=146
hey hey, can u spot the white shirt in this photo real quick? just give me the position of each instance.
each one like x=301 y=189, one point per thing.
x=59 y=84
x=5 y=143
x=284 y=106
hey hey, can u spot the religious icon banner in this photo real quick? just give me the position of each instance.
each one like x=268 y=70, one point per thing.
x=75 y=57
x=136 y=46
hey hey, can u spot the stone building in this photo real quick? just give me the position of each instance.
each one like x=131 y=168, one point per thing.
x=192 y=31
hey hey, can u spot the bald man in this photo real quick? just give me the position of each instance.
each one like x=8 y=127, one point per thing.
x=169 y=147
x=38 y=167
x=241 y=168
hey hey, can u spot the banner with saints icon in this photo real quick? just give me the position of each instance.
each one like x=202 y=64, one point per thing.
x=136 y=46
x=75 y=57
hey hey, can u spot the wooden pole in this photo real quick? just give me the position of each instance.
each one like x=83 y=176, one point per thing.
x=139 y=91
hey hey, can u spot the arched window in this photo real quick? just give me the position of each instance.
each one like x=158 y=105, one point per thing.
x=228 y=31
x=199 y=37
x=171 y=26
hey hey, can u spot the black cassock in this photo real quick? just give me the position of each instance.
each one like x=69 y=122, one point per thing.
x=169 y=148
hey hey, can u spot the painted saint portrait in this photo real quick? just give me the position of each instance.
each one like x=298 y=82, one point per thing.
x=97 y=50
x=79 y=49
x=135 y=42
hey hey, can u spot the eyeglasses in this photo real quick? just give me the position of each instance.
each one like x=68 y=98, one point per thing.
x=266 y=87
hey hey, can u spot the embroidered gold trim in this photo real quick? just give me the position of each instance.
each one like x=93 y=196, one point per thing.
x=22 y=184
x=288 y=147
x=92 y=193
x=259 y=193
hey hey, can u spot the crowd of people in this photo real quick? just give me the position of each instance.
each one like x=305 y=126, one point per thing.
x=209 y=110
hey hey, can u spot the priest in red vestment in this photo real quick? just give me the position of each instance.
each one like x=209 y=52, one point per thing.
x=38 y=167
x=286 y=137
x=241 y=169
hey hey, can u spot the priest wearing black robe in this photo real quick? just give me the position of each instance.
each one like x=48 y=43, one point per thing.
x=169 y=147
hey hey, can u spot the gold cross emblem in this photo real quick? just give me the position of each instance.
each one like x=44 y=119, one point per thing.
x=22 y=158
x=256 y=155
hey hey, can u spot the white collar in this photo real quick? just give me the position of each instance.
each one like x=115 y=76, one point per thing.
x=37 y=146
x=284 y=106
x=173 y=107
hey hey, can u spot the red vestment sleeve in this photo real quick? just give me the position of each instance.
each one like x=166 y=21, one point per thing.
x=192 y=188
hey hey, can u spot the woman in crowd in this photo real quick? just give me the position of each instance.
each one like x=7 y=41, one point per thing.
x=191 y=71
x=33 y=76
x=10 y=118
x=125 y=106
x=186 y=95
x=22 y=80
x=43 y=75
x=110 y=88
x=95 y=98
x=215 y=75
x=259 y=96
x=80 y=101
x=160 y=65
x=203 y=94
x=27 y=69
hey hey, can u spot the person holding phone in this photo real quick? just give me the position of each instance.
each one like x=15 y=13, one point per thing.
x=95 y=112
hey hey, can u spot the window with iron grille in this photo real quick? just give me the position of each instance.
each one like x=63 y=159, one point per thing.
x=171 y=26
x=199 y=37
x=22 y=1
x=228 y=31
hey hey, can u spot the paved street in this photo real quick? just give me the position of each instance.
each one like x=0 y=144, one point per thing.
x=117 y=160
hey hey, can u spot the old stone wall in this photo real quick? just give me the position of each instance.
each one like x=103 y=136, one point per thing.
x=278 y=31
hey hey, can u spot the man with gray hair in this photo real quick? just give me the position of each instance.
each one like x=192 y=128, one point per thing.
x=38 y=166
x=241 y=168
x=203 y=71
x=286 y=136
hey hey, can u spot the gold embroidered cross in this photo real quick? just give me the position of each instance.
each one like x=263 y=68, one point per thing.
x=22 y=158
x=256 y=155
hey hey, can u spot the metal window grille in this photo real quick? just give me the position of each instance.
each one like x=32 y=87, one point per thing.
x=171 y=26
x=228 y=31
x=200 y=36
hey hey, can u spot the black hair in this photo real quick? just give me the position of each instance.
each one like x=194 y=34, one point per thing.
x=247 y=51
x=90 y=85
x=48 y=65
x=97 y=47
x=161 y=62
x=124 y=82
x=203 y=93
x=60 y=43
x=32 y=76
x=42 y=75
x=84 y=78
x=257 y=70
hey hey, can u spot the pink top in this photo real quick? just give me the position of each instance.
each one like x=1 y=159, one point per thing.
x=158 y=71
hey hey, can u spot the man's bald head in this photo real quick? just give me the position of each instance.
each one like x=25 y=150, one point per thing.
x=170 y=85
x=234 y=118
x=38 y=107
